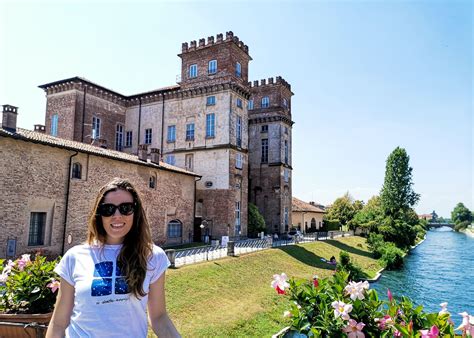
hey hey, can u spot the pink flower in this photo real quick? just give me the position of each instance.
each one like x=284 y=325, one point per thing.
x=279 y=283
x=21 y=263
x=341 y=309
x=3 y=277
x=384 y=322
x=354 y=329
x=444 y=308
x=432 y=333
x=467 y=325
x=397 y=333
x=356 y=289
x=54 y=285
x=389 y=295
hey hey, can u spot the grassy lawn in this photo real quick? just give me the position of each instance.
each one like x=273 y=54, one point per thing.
x=232 y=297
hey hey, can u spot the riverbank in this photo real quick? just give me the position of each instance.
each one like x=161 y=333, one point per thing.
x=232 y=296
x=469 y=232
x=379 y=273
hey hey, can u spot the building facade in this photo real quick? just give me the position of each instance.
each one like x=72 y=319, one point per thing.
x=307 y=217
x=209 y=123
x=49 y=185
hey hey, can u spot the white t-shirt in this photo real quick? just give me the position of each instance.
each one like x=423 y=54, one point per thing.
x=102 y=305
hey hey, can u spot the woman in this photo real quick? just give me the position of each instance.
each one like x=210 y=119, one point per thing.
x=108 y=284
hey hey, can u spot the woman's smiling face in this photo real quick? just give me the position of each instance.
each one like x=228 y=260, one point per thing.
x=117 y=226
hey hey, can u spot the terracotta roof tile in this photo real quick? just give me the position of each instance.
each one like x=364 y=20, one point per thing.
x=299 y=205
x=45 y=139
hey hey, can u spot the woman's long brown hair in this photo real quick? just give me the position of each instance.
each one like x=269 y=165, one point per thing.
x=137 y=245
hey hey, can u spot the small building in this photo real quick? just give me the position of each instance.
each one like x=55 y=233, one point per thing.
x=433 y=217
x=307 y=217
x=49 y=185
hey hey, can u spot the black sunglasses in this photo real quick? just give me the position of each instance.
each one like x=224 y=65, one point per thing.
x=107 y=209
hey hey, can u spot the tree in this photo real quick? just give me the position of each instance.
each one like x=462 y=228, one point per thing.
x=358 y=205
x=342 y=209
x=461 y=214
x=397 y=194
x=370 y=216
x=256 y=221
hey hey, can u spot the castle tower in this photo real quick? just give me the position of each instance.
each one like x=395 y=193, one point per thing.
x=215 y=62
x=270 y=144
x=212 y=113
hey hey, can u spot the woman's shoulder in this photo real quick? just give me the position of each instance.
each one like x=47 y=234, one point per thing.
x=157 y=251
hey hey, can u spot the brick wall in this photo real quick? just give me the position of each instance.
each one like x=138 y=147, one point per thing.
x=34 y=179
x=226 y=53
x=64 y=105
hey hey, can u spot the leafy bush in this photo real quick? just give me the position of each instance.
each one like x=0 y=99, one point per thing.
x=334 y=307
x=461 y=226
x=391 y=256
x=375 y=242
x=355 y=272
x=28 y=286
x=420 y=231
x=256 y=222
x=331 y=224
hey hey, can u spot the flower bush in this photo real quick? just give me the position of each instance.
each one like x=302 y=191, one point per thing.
x=334 y=307
x=28 y=286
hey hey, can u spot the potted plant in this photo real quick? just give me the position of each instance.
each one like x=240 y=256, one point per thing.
x=27 y=295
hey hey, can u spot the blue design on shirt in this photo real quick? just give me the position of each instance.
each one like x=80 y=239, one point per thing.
x=121 y=286
x=102 y=286
x=104 y=269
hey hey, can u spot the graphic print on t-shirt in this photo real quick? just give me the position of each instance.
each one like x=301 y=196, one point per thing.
x=103 y=279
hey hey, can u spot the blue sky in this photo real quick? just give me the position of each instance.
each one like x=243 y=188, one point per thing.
x=367 y=76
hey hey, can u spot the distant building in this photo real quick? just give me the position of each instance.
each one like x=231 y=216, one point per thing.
x=49 y=184
x=433 y=217
x=307 y=217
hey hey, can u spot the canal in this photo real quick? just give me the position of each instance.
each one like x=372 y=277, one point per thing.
x=441 y=269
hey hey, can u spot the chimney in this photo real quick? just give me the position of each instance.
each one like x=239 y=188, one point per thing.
x=9 y=117
x=99 y=142
x=142 y=152
x=155 y=155
x=312 y=203
x=40 y=128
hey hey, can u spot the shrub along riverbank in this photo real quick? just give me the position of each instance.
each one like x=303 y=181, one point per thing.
x=232 y=297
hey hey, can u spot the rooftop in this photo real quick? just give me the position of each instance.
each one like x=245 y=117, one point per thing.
x=48 y=140
x=301 y=206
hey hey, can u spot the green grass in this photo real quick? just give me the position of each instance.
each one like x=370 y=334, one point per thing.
x=232 y=297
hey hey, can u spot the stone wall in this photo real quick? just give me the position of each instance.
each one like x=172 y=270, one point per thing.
x=34 y=179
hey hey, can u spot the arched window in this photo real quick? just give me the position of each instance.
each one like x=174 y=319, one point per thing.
x=152 y=182
x=265 y=102
x=175 y=229
x=76 y=170
x=313 y=223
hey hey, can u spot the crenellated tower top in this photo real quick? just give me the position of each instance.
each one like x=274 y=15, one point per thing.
x=229 y=36
x=270 y=82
